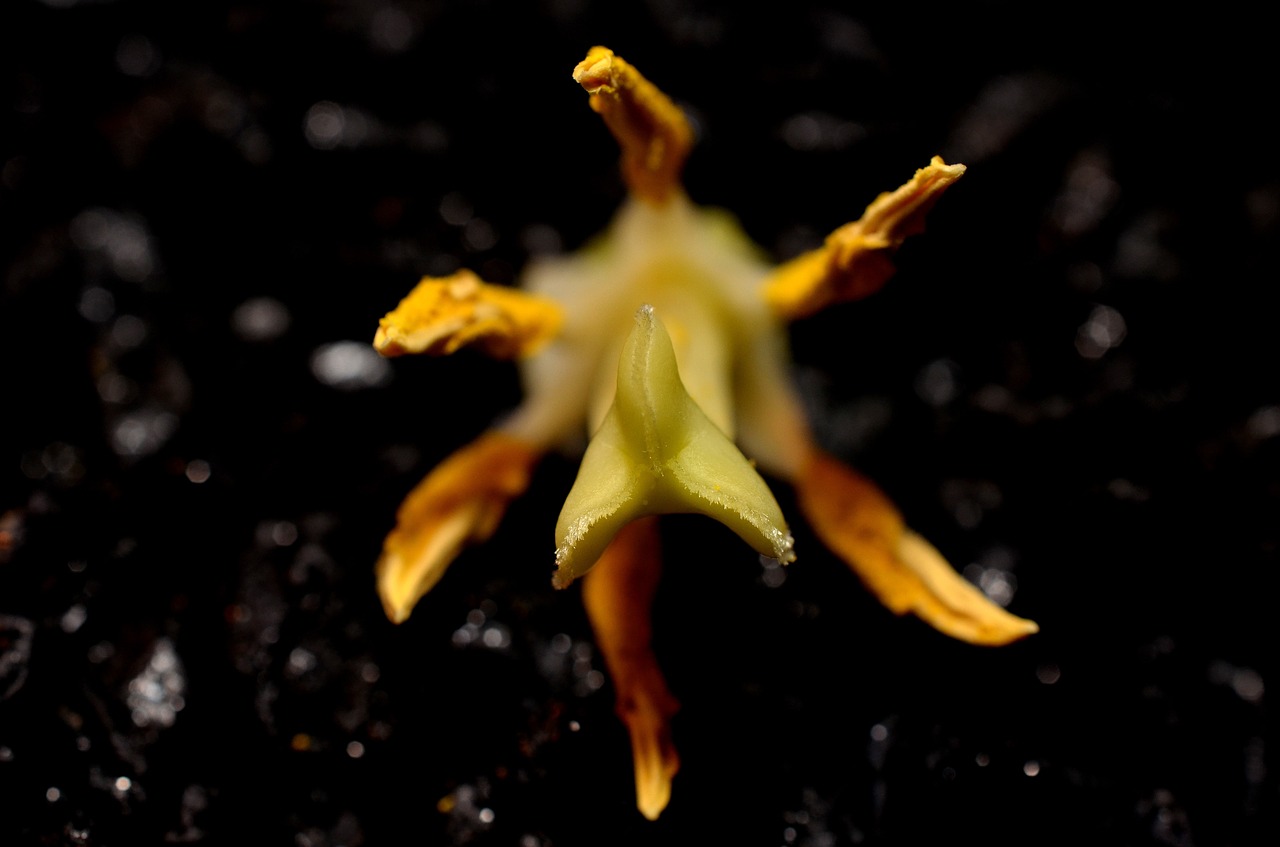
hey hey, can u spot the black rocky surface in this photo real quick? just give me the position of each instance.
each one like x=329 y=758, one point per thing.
x=1070 y=387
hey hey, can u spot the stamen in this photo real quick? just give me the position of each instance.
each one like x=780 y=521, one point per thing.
x=654 y=134
x=857 y=258
x=442 y=315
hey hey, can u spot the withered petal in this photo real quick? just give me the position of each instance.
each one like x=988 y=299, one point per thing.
x=654 y=134
x=860 y=525
x=856 y=259
x=618 y=595
x=460 y=502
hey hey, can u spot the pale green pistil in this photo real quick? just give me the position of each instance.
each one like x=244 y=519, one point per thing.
x=657 y=453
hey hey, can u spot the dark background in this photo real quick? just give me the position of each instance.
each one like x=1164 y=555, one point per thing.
x=1069 y=387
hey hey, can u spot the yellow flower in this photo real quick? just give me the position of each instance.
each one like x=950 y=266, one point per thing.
x=665 y=341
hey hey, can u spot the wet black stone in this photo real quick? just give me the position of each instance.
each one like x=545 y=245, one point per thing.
x=169 y=480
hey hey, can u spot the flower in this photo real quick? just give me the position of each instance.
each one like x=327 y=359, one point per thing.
x=665 y=341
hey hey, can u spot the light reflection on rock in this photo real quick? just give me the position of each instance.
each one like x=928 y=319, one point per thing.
x=261 y=319
x=1088 y=194
x=774 y=574
x=74 y=618
x=97 y=304
x=121 y=239
x=142 y=432
x=816 y=131
x=1104 y=329
x=938 y=382
x=155 y=696
x=392 y=30
x=993 y=574
x=1004 y=110
x=137 y=56
x=128 y=332
x=1048 y=674
x=1247 y=683
x=328 y=126
x=198 y=471
x=349 y=365
x=469 y=814
x=480 y=631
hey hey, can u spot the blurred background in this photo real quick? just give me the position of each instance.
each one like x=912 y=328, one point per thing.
x=1069 y=387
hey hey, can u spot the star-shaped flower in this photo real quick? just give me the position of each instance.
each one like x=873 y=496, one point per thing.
x=665 y=342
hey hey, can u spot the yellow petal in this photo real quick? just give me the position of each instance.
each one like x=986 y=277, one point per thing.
x=458 y=503
x=618 y=595
x=442 y=315
x=658 y=453
x=856 y=520
x=654 y=134
x=856 y=259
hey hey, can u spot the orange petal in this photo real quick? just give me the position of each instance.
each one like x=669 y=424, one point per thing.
x=442 y=315
x=860 y=525
x=458 y=503
x=618 y=593
x=857 y=258
x=654 y=134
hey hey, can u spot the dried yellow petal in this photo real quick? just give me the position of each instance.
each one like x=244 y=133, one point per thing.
x=859 y=524
x=442 y=315
x=856 y=259
x=654 y=134
x=658 y=453
x=618 y=595
x=460 y=502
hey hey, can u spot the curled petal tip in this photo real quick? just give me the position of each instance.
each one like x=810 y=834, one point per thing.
x=654 y=772
x=857 y=259
x=646 y=708
x=459 y=503
x=414 y=558
x=596 y=70
x=654 y=134
x=397 y=608
x=618 y=595
x=953 y=605
x=860 y=525
x=384 y=343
